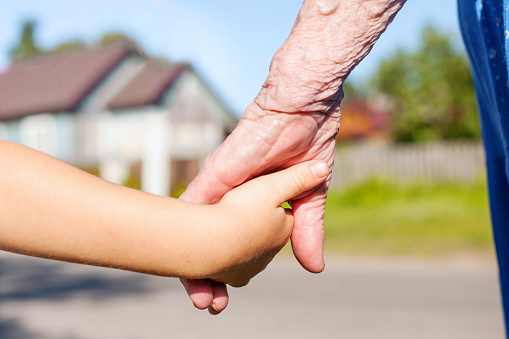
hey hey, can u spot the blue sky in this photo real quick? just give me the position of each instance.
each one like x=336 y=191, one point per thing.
x=229 y=42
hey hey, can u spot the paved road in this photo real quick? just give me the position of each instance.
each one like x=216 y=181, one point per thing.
x=353 y=298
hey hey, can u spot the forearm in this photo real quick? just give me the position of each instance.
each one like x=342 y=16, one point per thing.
x=53 y=210
x=329 y=38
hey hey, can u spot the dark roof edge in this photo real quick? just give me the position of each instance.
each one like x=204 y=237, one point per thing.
x=180 y=66
x=183 y=66
x=127 y=52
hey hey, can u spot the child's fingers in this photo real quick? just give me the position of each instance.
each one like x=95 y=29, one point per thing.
x=284 y=185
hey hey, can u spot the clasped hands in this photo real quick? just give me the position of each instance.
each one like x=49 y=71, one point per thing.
x=267 y=142
x=294 y=119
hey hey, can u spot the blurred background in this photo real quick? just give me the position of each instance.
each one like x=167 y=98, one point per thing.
x=140 y=92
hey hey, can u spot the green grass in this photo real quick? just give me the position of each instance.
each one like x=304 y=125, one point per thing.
x=382 y=218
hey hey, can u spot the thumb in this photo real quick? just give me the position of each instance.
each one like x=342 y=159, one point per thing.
x=289 y=183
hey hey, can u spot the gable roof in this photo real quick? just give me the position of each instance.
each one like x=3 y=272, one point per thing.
x=55 y=83
x=148 y=86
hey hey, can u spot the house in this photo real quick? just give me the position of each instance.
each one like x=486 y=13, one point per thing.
x=363 y=121
x=115 y=111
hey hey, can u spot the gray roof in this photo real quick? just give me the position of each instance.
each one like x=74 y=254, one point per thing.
x=148 y=86
x=55 y=83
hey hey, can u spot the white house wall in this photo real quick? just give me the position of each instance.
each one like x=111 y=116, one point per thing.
x=121 y=134
x=64 y=127
x=136 y=136
x=191 y=139
x=114 y=145
x=190 y=95
x=155 y=170
x=198 y=120
x=194 y=88
x=150 y=136
x=13 y=131
x=124 y=133
x=86 y=135
x=217 y=110
x=53 y=134
x=4 y=133
x=184 y=101
x=40 y=132
x=189 y=125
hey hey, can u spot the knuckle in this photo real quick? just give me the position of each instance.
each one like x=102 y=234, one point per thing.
x=299 y=179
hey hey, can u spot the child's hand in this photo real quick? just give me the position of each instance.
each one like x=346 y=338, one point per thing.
x=258 y=227
x=50 y=209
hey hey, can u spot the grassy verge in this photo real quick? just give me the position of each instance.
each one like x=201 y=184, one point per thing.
x=382 y=218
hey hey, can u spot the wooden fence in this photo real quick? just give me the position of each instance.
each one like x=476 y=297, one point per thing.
x=433 y=162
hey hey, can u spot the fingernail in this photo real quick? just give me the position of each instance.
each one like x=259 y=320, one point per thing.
x=319 y=169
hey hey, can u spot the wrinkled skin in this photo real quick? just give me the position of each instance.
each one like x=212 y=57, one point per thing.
x=251 y=227
x=294 y=118
x=265 y=142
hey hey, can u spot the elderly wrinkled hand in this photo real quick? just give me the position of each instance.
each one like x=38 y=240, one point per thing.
x=264 y=142
x=294 y=118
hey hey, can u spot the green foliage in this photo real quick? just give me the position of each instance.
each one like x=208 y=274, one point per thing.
x=26 y=46
x=418 y=219
x=432 y=91
x=116 y=37
x=178 y=188
x=351 y=90
x=72 y=45
x=133 y=180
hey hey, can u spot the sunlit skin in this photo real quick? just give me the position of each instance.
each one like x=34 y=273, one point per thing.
x=52 y=210
x=294 y=118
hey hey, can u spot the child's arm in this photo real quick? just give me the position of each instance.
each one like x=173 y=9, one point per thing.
x=53 y=210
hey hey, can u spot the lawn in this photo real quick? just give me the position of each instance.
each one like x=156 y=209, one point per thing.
x=382 y=218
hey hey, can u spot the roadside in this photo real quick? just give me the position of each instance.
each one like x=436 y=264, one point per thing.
x=381 y=218
x=353 y=298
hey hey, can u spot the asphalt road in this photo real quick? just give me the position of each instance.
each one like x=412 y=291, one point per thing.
x=353 y=298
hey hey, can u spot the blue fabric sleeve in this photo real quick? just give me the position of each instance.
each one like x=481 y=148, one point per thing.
x=484 y=25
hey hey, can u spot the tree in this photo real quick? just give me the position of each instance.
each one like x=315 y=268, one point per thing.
x=115 y=37
x=432 y=91
x=26 y=46
x=67 y=46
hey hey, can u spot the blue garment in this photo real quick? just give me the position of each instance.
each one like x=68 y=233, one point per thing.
x=485 y=29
